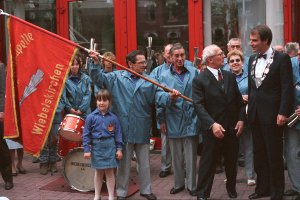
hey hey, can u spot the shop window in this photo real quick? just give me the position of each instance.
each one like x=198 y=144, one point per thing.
x=224 y=20
x=39 y=12
x=296 y=20
x=92 y=19
x=165 y=20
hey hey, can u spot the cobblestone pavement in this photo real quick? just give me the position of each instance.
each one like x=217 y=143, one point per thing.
x=27 y=186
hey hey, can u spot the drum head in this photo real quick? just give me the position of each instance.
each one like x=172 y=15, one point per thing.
x=78 y=172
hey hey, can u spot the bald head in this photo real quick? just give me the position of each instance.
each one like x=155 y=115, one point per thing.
x=166 y=54
x=278 y=48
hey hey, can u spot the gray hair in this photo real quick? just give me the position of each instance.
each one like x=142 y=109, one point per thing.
x=176 y=46
x=291 y=47
x=209 y=51
x=234 y=39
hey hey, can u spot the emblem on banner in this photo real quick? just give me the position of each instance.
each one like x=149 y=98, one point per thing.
x=35 y=80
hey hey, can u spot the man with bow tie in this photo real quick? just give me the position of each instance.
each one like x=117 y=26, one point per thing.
x=270 y=103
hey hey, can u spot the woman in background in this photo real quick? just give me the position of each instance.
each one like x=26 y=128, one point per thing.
x=236 y=61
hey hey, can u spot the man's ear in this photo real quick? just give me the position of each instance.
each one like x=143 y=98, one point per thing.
x=208 y=60
x=130 y=64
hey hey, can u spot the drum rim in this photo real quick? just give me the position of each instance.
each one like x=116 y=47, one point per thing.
x=76 y=149
x=76 y=116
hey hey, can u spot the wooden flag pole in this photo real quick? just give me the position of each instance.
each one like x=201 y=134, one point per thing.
x=137 y=74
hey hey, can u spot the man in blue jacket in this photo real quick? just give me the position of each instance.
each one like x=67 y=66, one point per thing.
x=132 y=100
x=292 y=137
x=180 y=121
x=165 y=147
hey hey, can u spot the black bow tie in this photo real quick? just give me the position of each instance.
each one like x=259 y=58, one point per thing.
x=264 y=56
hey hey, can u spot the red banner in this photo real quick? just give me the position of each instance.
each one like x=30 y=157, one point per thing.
x=38 y=64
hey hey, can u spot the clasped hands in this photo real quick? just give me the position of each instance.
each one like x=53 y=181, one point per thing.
x=75 y=112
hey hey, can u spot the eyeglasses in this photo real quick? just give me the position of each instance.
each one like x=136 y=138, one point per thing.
x=236 y=60
x=142 y=63
x=219 y=54
x=235 y=46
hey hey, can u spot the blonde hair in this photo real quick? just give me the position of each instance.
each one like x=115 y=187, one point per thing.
x=109 y=55
x=235 y=53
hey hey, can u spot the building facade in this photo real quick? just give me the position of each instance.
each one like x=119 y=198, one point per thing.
x=123 y=25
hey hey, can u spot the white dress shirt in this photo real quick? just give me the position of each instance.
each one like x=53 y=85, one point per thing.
x=262 y=63
x=213 y=71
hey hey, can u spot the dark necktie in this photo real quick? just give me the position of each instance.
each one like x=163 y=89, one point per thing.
x=220 y=78
x=264 y=56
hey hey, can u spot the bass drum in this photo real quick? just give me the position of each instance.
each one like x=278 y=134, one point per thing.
x=78 y=172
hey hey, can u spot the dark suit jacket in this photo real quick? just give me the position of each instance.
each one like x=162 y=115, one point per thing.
x=2 y=94
x=275 y=94
x=2 y=86
x=215 y=104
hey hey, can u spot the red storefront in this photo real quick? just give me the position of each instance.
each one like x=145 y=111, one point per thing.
x=123 y=25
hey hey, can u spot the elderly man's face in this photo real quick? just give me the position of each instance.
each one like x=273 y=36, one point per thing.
x=178 y=57
x=217 y=60
x=235 y=45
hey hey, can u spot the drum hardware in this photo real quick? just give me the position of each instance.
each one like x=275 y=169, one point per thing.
x=95 y=46
x=197 y=60
x=92 y=42
x=150 y=54
x=292 y=120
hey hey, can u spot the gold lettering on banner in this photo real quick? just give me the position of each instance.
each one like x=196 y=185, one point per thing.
x=48 y=101
x=26 y=38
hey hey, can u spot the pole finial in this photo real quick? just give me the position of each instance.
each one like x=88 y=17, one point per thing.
x=3 y=13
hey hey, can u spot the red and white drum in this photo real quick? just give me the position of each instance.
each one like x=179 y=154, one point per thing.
x=64 y=146
x=71 y=128
x=78 y=172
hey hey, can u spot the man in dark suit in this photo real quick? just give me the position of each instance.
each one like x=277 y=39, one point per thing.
x=220 y=109
x=270 y=102
x=5 y=164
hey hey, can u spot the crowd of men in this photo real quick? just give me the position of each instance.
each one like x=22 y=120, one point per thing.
x=236 y=100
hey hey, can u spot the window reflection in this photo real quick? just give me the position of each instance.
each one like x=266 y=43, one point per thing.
x=296 y=20
x=226 y=19
x=92 y=19
x=166 y=21
x=39 y=12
